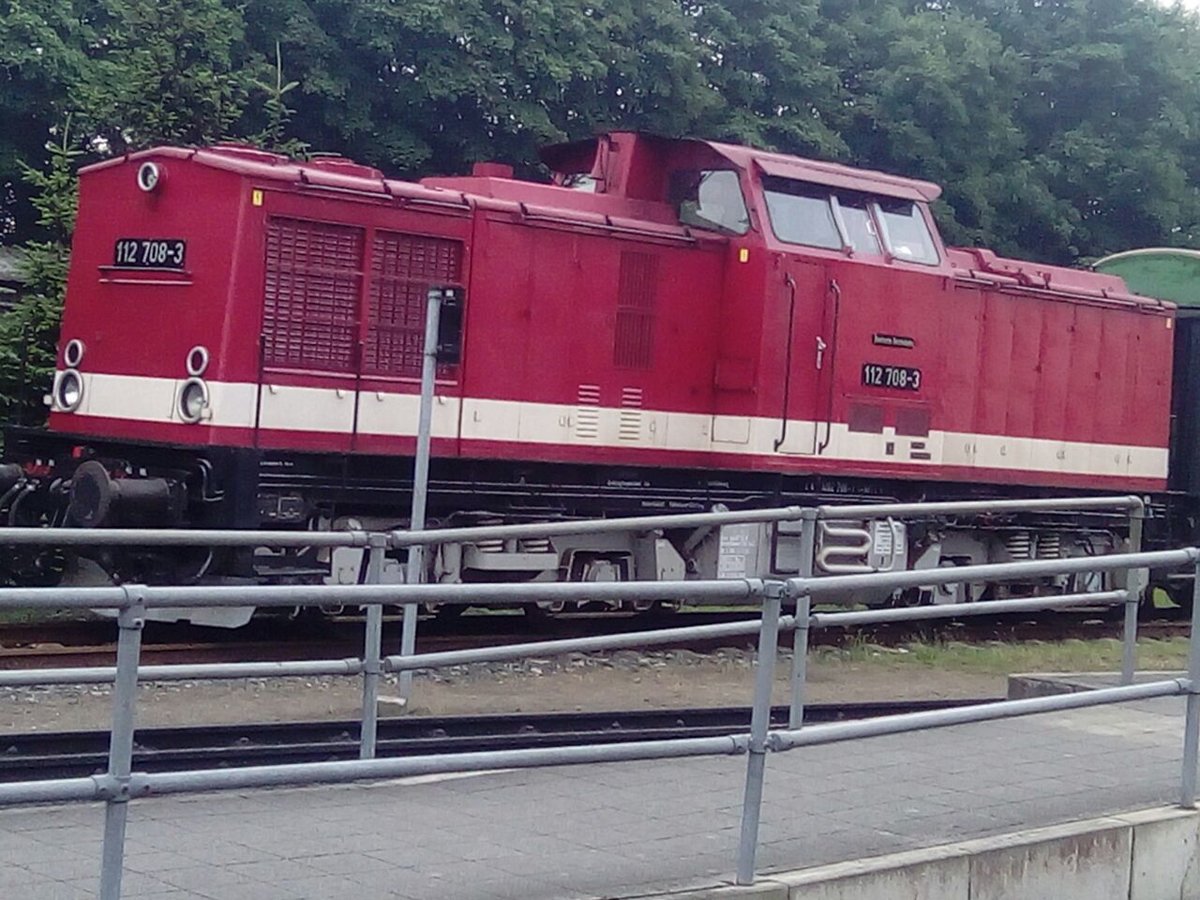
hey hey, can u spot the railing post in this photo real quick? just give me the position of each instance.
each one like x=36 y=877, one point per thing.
x=414 y=567
x=1134 y=589
x=372 y=650
x=760 y=724
x=1191 y=727
x=800 y=661
x=808 y=547
x=130 y=621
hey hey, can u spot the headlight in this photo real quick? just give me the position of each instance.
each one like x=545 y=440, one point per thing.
x=73 y=353
x=68 y=392
x=149 y=175
x=197 y=361
x=193 y=400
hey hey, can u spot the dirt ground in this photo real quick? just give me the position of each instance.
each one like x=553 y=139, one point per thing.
x=625 y=680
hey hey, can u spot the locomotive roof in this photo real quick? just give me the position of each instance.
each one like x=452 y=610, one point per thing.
x=566 y=157
x=331 y=171
x=832 y=174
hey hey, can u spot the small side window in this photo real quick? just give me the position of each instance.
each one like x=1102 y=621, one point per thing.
x=906 y=233
x=710 y=199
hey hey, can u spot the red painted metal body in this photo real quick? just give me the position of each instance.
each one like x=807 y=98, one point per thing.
x=598 y=329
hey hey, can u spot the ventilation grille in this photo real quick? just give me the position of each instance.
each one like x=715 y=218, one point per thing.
x=637 y=288
x=630 y=424
x=587 y=413
x=310 y=306
x=403 y=268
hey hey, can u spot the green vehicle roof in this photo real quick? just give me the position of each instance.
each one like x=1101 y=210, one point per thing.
x=1164 y=273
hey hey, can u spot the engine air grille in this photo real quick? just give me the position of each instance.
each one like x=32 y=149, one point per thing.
x=637 y=288
x=310 y=304
x=403 y=268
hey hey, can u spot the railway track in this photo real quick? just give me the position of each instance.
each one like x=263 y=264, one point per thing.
x=73 y=754
x=64 y=645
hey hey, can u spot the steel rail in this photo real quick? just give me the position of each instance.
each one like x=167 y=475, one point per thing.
x=957 y=610
x=404 y=662
x=944 y=718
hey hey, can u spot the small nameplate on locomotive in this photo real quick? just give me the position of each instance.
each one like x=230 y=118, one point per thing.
x=900 y=378
x=149 y=253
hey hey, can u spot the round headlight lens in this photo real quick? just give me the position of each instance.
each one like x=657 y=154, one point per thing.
x=148 y=176
x=73 y=353
x=197 y=360
x=68 y=393
x=193 y=400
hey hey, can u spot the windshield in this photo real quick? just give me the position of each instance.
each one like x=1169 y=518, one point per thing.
x=816 y=215
x=907 y=234
x=800 y=213
x=860 y=227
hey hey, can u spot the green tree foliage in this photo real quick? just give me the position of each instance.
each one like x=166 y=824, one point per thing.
x=769 y=66
x=430 y=85
x=163 y=71
x=29 y=332
x=1109 y=113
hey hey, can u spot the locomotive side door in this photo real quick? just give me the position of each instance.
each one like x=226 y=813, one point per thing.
x=803 y=323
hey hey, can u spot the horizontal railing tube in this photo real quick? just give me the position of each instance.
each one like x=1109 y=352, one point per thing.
x=198 y=672
x=576 y=645
x=956 y=610
x=965 y=715
x=59 y=790
x=1010 y=571
x=403 y=767
x=731 y=591
x=594 y=526
x=179 y=537
x=973 y=507
x=176 y=537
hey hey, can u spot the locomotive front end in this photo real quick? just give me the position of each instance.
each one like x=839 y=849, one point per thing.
x=146 y=374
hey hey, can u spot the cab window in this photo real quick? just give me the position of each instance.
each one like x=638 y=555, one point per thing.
x=860 y=227
x=906 y=233
x=710 y=199
x=800 y=213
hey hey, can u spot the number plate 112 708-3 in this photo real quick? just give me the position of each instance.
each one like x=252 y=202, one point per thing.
x=900 y=378
x=149 y=253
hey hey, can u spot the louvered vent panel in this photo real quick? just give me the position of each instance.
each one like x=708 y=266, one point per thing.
x=310 y=304
x=637 y=290
x=403 y=269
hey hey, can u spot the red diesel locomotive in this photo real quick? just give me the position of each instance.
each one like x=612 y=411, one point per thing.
x=669 y=325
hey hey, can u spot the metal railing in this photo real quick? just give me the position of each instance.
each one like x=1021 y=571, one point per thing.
x=120 y=783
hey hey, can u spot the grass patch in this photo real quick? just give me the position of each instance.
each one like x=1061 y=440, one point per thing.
x=1001 y=658
x=38 y=615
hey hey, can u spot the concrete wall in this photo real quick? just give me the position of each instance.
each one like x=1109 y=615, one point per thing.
x=1149 y=855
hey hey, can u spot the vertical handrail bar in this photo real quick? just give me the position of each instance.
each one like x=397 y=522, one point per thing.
x=808 y=547
x=372 y=651
x=800 y=641
x=1134 y=590
x=1191 y=727
x=760 y=724
x=414 y=568
x=116 y=789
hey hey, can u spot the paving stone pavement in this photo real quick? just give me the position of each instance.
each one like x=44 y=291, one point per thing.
x=611 y=830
